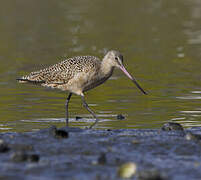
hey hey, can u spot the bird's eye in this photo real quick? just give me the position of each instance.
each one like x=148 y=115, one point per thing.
x=116 y=58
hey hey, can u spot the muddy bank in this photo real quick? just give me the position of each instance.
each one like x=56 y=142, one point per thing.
x=79 y=154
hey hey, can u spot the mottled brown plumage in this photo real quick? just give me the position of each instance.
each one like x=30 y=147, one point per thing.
x=79 y=74
x=63 y=75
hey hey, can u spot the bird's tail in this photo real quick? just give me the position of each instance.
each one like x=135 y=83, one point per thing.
x=29 y=79
x=23 y=79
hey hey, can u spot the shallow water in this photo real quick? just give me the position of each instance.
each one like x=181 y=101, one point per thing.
x=160 y=41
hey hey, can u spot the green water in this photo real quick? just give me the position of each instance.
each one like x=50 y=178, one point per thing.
x=160 y=41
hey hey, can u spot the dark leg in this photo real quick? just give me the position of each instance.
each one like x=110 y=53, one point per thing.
x=88 y=109
x=67 y=101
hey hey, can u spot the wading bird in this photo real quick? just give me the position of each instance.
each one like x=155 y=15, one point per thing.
x=78 y=75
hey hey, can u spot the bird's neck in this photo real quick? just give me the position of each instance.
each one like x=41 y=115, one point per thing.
x=106 y=68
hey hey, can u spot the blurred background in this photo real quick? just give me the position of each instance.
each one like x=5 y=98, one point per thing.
x=160 y=41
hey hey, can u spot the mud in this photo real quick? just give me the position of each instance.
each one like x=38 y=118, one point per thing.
x=83 y=154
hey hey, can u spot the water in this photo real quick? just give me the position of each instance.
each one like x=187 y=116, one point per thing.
x=160 y=41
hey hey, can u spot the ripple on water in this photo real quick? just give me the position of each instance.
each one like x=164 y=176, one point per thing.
x=191 y=112
x=189 y=97
x=189 y=120
x=194 y=95
x=83 y=118
x=4 y=127
x=196 y=92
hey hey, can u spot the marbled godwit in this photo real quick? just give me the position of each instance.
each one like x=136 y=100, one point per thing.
x=78 y=75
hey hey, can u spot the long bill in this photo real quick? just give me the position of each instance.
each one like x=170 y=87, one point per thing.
x=131 y=78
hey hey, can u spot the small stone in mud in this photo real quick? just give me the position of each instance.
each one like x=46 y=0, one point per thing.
x=21 y=147
x=33 y=158
x=127 y=170
x=194 y=137
x=102 y=158
x=78 y=118
x=22 y=157
x=3 y=146
x=171 y=126
x=59 y=133
x=19 y=156
x=120 y=117
x=135 y=141
x=150 y=175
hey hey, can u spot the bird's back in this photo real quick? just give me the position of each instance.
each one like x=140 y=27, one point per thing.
x=64 y=71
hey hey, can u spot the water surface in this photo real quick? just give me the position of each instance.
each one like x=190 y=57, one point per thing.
x=160 y=41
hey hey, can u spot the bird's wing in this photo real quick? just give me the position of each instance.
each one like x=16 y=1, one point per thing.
x=62 y=72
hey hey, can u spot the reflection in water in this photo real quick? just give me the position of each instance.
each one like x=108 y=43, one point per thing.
x=189 y=97
x=161 y=41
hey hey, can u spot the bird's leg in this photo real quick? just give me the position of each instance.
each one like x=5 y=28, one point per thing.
x=88 y=109
x=67 y=101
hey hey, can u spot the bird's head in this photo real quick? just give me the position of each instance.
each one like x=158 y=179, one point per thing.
x=115 y=59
